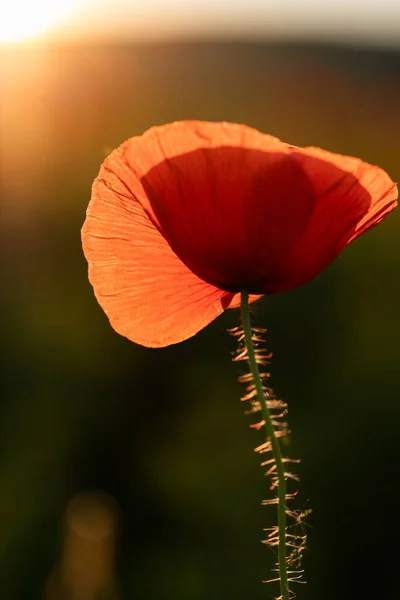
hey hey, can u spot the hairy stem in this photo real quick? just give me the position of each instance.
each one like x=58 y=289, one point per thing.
x=276 y=451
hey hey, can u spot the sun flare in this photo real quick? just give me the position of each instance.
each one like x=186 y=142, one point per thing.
x=24 y=19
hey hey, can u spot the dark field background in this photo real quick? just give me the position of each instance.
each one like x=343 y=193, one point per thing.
x=162 y=431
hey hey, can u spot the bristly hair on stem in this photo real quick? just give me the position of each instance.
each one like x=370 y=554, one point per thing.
x=284 y=538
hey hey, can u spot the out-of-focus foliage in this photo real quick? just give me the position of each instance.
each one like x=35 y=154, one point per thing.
x=162 y=431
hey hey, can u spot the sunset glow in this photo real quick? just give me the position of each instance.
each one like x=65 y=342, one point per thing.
x=21 y=19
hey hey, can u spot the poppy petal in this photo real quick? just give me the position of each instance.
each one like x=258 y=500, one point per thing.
x=351 y=197
x=186 y=216
x=148 y=294
x=221 y=194
x=158 y=144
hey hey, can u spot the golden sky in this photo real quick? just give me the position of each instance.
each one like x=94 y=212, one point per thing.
x=365 y=21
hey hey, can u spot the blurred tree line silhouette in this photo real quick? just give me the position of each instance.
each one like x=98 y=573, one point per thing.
x=162 y=431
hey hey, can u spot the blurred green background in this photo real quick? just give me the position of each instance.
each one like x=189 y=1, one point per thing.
x=162 y=432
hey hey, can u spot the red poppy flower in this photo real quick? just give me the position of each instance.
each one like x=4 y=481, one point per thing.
x=186 y=216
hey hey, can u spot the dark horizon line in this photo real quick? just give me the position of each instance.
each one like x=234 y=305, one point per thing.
x=256 y=42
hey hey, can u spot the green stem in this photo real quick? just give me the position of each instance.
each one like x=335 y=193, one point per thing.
x=276 y=450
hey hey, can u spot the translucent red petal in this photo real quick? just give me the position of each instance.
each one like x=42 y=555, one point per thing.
x=184 y=217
